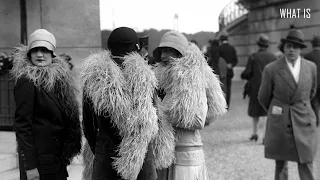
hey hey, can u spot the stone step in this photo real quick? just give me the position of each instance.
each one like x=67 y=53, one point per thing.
x=8 y=162
x=13 y=174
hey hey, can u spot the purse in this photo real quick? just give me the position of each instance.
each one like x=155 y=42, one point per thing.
x=247 y=89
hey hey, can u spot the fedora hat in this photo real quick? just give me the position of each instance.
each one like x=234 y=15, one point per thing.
x=316 y=41
x=223 y=36
x=295 y=37
x=263 y=40
x=143 y=39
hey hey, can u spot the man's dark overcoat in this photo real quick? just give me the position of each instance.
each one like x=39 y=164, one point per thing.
x=291 y=132
x=229 y=54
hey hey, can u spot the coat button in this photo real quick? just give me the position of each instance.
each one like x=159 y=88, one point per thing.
x=289 y=126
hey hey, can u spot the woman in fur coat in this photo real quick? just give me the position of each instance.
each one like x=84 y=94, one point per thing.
x=46 y=122
x=119 y=118
x=190 y=95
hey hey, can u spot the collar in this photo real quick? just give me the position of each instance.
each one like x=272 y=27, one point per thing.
x=296 y=61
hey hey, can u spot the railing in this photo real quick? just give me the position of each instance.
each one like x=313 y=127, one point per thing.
x=231 y=12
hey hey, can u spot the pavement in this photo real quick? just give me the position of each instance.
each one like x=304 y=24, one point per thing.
x=229 y=153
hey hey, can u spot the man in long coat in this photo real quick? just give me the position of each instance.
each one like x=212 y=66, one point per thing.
x=287 y=88
x=229 y=54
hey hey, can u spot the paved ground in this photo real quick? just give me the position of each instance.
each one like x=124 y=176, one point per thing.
x=229 y=153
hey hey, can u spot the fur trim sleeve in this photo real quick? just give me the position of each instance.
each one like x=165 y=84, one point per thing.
x=163 y=145
x=217 y=104
x=142 y=124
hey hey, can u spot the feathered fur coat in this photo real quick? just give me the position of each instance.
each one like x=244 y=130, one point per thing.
x=46 y=122
x=191 y=85
x=124 y=97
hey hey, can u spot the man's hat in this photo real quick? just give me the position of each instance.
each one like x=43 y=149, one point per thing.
x=223 y=36
x=42 y=38
x=263 y=40
x=143 y=39
x=316 y=41
x=295 y=37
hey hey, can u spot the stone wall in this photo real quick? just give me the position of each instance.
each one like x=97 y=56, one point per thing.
x=267 y=20
x=75 y=24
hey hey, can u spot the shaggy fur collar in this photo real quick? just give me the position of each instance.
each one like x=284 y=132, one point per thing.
x=126 y=94
x=191 y=83
x=56 y=79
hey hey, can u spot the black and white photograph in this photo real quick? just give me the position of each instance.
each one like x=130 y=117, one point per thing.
x=159 y=90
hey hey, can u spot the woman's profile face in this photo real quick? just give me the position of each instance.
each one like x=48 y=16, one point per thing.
x=41 y=56
x=168 y=53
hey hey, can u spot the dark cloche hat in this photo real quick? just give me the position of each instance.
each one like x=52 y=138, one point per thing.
x=123 y=35
x=316 y=41
x=263 y=40
x=296 y=37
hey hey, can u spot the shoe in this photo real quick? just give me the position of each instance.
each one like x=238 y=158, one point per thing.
x=254 y=137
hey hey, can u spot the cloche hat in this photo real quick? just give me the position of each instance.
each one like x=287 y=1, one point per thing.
x=119 y=40
x=42 y=38
x=123 y=35
x=173 y=39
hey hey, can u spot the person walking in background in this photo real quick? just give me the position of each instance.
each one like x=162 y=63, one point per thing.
x=229 y=54
x=191 y=96
x=144 y=45
x=314 y=56
x=213 y=55
x=47 y=121
x=253 y=73
x=119 y=119
x=288 y=85
x=217 y=63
